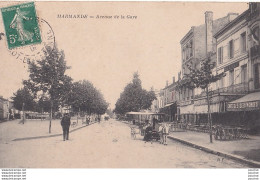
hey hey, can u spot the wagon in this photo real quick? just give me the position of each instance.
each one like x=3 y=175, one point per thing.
x=140 y=120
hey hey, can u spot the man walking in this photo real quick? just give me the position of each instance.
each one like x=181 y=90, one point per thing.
x=65 y=123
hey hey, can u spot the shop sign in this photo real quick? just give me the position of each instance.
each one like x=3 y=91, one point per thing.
x=253 y=105
x=231 y=66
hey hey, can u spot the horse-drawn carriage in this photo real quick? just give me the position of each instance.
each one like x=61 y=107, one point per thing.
x=145 y=124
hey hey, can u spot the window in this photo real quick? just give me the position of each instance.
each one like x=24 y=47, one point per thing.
x=243 y=42
x=221 y=82
x=255 y=36
x=220 y=55
x=191 y=48
x=243 y=74
x=187 y=52
x=231 y=49
x=183 y=54
x=231 y=77
x=257 y=76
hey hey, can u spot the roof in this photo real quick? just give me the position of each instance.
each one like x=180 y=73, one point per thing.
x=188 y=34
x=3 y=99
x=232 y=23
x=217 y=25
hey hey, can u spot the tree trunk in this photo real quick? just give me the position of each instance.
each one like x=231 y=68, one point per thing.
x=209 y=116
x=78 y=116
x=42 y=115
x=50 y=117
x=23 y=113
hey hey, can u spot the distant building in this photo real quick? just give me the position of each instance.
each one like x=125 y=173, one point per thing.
x=170 y=107
x=155 y=103
x=4 y=108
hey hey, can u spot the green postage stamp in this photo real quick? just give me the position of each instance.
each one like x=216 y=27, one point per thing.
x=21 y=25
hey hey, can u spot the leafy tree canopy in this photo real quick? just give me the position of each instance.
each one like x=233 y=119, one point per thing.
x=48 y=77
x=85 y=97
x=24 y=96
x=134 y=97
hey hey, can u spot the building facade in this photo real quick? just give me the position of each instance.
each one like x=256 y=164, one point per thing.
x=238 y=57
x=170 y=107
x=4 y=108
x=196 y=45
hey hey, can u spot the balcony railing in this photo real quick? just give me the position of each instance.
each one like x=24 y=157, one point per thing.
x=241 y=88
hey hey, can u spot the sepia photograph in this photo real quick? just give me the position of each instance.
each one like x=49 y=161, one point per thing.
x=144 y=84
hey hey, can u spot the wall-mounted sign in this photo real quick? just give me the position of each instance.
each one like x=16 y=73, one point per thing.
x=244 y=106
x=231 y=66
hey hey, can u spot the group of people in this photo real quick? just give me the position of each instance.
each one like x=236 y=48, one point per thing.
x=152 y=131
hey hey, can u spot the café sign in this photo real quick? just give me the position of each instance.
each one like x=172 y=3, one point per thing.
x=243 y=106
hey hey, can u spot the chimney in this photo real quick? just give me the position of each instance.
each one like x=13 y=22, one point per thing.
x=209 y=31
x=232 y=16
x=166 y=84
x=173 y=79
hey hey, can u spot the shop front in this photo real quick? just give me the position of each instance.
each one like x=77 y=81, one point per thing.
x=170 y=110
x=248 y=110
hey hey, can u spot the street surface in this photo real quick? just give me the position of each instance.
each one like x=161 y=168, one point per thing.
x=105 y=145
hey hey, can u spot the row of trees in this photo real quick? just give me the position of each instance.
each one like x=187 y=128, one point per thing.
x=48 y=88
x=134 y=97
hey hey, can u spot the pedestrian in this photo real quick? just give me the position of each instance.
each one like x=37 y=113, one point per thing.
x=88 y=120
x=148 y=133
x=65 y=123
x=165 y=133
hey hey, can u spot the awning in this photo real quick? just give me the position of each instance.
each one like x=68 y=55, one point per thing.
x=187 y=109
x=248 y=102
x=214 y=108
x=167 y=105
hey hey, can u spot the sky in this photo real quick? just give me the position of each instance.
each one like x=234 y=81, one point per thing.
x=108 y=51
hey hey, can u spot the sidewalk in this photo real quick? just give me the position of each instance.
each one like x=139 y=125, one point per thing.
x=243 y=150
x=33 y=129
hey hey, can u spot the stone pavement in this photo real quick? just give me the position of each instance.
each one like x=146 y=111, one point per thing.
x=243 y=150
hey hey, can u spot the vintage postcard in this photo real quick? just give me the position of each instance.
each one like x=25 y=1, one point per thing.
x=129 y=85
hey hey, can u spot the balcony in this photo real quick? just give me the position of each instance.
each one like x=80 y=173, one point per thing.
x=241 y=88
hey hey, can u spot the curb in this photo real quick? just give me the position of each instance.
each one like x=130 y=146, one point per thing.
x=48 y=136
x=218 y=153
